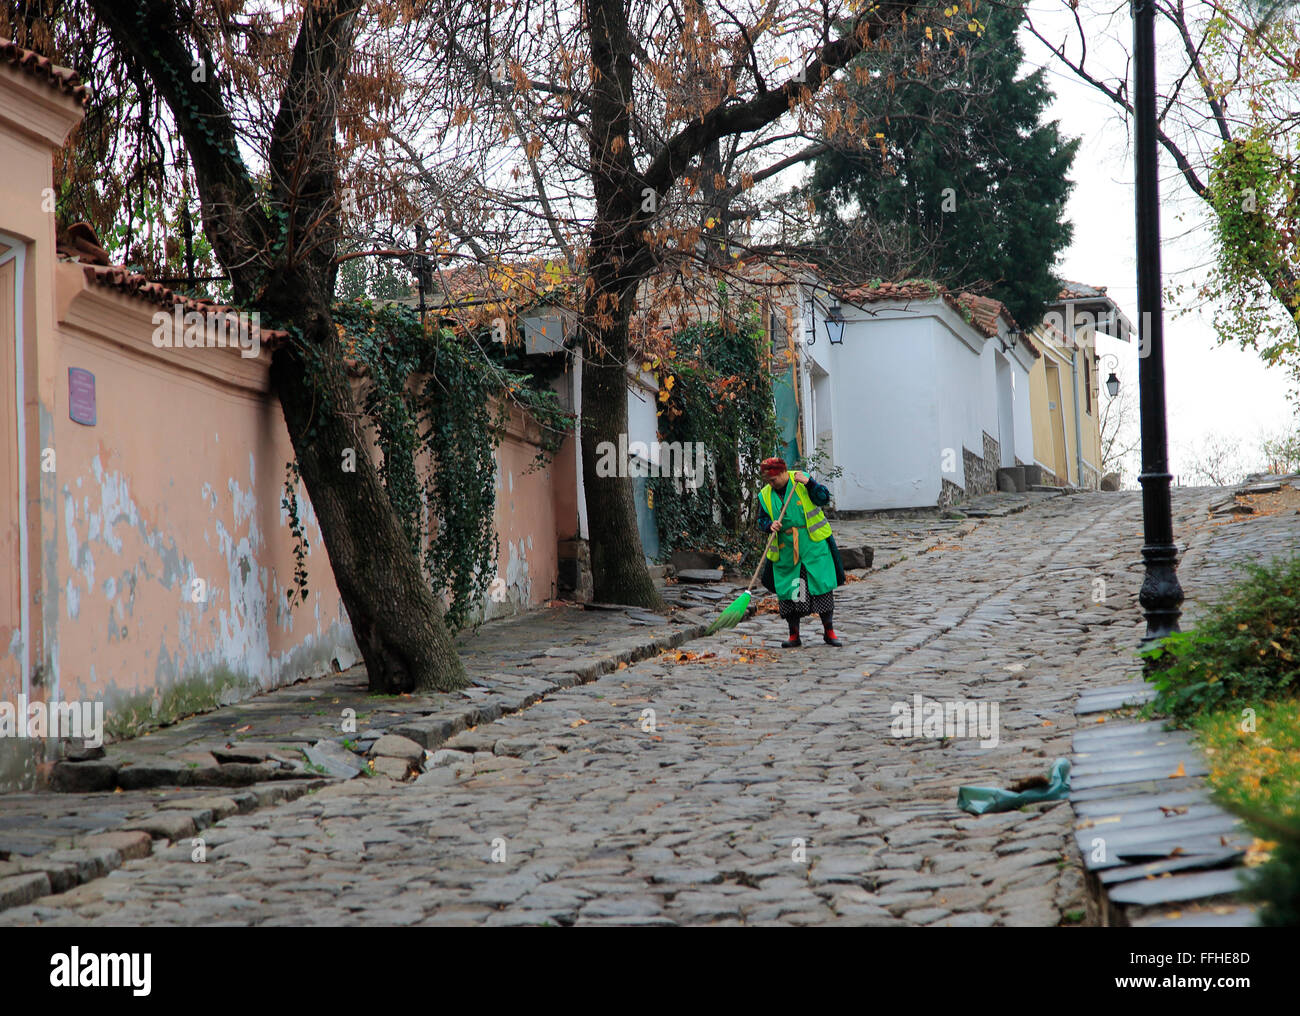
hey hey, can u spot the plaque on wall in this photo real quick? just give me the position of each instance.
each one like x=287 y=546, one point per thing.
x=81 y=396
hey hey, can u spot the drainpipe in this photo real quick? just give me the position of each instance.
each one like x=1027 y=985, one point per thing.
x=1074 y=380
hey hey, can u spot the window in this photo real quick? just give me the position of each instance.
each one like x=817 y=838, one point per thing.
x=1087 y=384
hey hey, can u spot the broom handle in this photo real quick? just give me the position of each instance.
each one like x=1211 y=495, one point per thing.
x=788 y=494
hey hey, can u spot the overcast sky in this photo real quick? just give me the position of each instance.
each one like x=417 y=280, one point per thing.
x=1211 y=389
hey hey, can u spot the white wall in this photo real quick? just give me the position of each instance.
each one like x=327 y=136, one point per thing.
x=910 y=382
x=642 y=414
x=963 y=378
x=1023 y=413
x=885 y=410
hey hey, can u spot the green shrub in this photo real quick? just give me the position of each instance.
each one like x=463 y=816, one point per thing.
x=1243 y=650
x=1276 y=883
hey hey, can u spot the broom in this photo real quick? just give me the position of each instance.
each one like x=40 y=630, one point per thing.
x=732 y=616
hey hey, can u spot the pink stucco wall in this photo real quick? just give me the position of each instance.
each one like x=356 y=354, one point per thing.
x=158 y=554
x=525 y=519
x=173 y=553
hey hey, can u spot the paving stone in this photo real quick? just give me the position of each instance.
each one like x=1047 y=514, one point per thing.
x=396 y=746
x=336 y=760
x=158 y=773
x=967 y=921
x=1178 y=888
x=90 y=862
x=130 y=845
x=83 y=777
x=394 y=768
x=17 y=890
x=166 y=825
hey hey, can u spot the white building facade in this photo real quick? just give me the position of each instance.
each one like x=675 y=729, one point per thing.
x=921 y=401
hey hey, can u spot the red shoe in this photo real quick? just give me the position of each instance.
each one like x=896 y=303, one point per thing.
x=793 y=642
x=830 y=638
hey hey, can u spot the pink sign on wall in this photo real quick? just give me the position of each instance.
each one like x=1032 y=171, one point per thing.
x=81 y=396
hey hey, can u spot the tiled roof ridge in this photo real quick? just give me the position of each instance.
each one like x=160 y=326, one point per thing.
x=42 y=67
x=1071 y=290
x=141 y=287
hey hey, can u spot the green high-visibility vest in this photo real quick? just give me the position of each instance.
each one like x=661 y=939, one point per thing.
x=814 y=517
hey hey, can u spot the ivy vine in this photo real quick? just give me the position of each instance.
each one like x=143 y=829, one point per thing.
x=439 y=404
x=297 y=593
x=716 y=389
x=1255 y=194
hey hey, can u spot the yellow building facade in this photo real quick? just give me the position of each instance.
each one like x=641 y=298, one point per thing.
x=1064 y=387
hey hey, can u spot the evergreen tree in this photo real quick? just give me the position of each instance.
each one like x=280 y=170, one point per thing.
x=964 y=176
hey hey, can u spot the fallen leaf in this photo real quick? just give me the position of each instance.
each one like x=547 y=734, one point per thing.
x=1181 y=810
x=1259 y=852
x=579 y=722
x=1180 y=771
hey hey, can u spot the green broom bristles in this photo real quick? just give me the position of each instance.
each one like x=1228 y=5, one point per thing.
x=733 y=615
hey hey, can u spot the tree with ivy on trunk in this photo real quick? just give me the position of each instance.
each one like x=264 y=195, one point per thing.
x=630 y=141
x=235 y=79
x=1229 y=120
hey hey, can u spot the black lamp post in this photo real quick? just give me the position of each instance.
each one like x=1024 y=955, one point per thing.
x=1161 y=595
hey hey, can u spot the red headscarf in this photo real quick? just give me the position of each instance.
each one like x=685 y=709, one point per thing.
x=773 y=467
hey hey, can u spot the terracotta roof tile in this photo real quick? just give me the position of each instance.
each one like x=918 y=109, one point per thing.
x=1080 y=291
x=43 y=67
x=141 y=288
x=908 y=289
x=985 y=310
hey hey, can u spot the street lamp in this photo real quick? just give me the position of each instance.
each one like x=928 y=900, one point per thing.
x=835 y=324
x=1112 y=382
x=1161 y=594
x=832 y=316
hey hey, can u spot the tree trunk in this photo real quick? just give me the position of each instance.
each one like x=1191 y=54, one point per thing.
x=618 y=567
x=396 y=618
x=285 y=271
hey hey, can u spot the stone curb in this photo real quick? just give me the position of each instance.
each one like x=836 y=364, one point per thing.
x=26 y=879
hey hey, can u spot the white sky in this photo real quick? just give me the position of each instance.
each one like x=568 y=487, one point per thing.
x=1210 y=389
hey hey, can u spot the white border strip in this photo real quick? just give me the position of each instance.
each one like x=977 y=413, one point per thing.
x=18 y=254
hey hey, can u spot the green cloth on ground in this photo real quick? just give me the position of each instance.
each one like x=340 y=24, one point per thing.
x=982 y=800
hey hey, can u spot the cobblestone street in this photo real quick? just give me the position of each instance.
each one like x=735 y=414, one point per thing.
x=765 y=788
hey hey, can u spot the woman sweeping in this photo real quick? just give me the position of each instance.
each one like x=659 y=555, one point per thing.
x=805 y=563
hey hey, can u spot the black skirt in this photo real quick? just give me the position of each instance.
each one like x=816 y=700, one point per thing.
x=818 y=603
